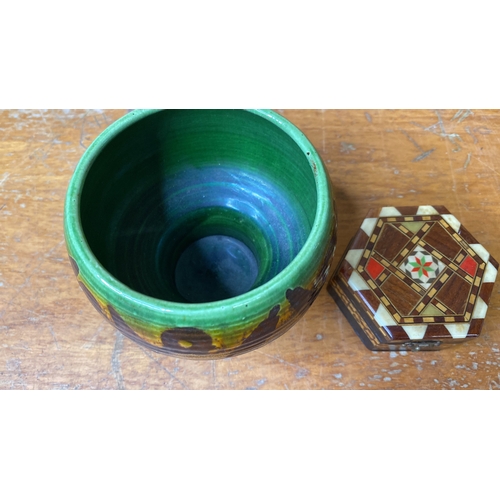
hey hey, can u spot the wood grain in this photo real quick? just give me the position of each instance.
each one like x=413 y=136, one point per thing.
x=52 y=338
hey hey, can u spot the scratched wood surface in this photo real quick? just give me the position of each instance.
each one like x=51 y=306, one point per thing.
x=52 y=338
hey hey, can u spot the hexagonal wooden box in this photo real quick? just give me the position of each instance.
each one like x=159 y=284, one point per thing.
x=414 y=278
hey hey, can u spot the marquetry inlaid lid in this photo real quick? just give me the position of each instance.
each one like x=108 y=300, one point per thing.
x=414 y=278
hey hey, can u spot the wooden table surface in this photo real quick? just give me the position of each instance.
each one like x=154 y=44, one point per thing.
x=52 y=338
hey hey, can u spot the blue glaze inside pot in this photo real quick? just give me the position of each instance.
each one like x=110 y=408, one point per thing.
x=199 y=205
x=214 y=268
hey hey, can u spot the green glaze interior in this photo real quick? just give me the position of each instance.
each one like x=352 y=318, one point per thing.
x=196 y=206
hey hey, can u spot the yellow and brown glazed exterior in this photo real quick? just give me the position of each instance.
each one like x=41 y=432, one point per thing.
x=222 y=342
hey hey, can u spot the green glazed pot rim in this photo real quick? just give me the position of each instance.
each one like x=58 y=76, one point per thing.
x=105 y=282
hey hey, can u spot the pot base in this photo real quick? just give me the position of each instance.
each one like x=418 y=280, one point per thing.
x=215 y=268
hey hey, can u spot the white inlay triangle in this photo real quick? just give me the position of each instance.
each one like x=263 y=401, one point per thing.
x=481 y=251
x=356 y=282
x=353 y=257
x=427 y=210
x=490 y=273
x=415 y=332
x=457 y=330
x=389 y=212
x=383 y=317
x=480 y=309
x=369 y=225
x=452 y=221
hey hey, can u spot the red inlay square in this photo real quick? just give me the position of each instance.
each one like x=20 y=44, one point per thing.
x=374 y=268
x=469 y=265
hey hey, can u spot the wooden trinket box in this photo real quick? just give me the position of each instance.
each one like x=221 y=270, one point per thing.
x=413 y=278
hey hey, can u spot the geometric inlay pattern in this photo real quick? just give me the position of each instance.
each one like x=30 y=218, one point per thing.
x=414 y=274
x=421 y=267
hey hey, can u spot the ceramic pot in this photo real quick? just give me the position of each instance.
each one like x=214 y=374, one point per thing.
x=201 y=233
